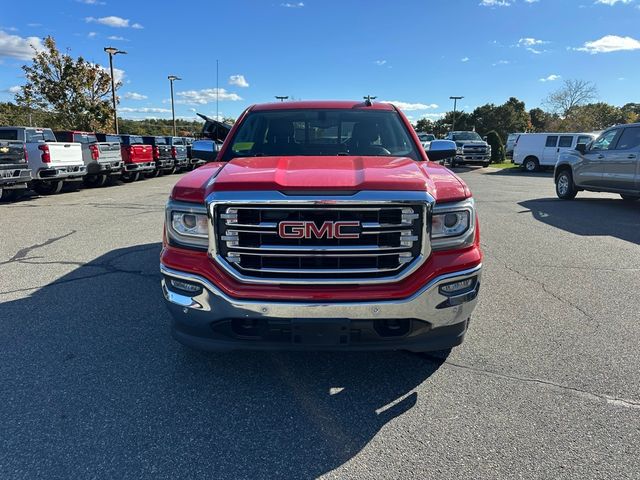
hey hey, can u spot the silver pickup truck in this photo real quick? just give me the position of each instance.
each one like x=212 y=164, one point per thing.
x=52 y=163
x=102 y=159
x=610 y=163
x=14 y=171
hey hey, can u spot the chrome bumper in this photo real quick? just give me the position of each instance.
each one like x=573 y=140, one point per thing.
x=428 y=304
x=139 y=167
x=62 y=173
x=13 y=177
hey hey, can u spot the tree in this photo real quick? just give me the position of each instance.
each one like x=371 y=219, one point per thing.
x=574 y=93
x=497 y=147
x=591 y=117
x=75 y=91
x=540 y=120
x=423 y=125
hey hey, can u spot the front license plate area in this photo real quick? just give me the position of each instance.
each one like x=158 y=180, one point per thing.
x=321 y=333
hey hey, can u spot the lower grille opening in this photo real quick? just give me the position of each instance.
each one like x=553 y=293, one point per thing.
x=393 y=327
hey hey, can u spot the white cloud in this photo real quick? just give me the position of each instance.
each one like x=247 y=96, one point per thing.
x=117 y=38
x=34 y=25
x=18 y=47
x=495 y=3
x=433 y=116
x=91 y=34
x=380 y=62
x=134 y=96
x=207 y=95
x=612 y=2
x=530 y=42
x=118 y=74
x=91 y=2
x=464 y=59
x=143 y=110
x=238 y=80
x=500 y=62
x=113 y=21
x=292 y=5
x=551 y=78
x=13 y=90
x=410 y=107
x=610 y=43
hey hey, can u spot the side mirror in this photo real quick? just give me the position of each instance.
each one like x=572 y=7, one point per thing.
x=581 y=147
x=441 y=150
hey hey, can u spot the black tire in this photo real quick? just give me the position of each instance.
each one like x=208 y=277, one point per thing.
x=10 y=195
x=129 y=177
x=485 y=164
x=153 y=173
x=95 y=180
x=531 y=164
x=48 y=187
x=629 y=198
x=565 y=188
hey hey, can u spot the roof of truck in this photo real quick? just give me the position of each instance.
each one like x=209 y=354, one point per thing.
x=324 y=104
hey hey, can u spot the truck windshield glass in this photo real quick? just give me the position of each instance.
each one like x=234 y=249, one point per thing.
x=464 y=136
x=84 y=138
x=8 y=134
x=161 y=141
x=40 y=136
x=134 y=140
x=323 y=133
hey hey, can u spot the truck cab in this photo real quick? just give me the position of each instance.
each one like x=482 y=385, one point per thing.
x=179 y=152
x=103 y=159
x=52 y=163
x=15 y=174
x=471 y=149
x=137 y=157
x=163 y=159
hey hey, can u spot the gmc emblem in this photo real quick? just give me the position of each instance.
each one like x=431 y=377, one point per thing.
x=311 y=230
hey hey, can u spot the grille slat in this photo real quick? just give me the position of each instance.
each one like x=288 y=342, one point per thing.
x=389 y=238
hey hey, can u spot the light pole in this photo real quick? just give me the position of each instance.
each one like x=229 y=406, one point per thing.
x=282 y=98
x=455 y=102
x=173 y=111
x=113 y=51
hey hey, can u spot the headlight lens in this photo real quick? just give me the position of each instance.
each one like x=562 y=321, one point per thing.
x=459 y=150
x=187 y=225
x=453 y=225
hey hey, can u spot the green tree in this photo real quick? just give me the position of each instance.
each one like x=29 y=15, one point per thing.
x=497 y=147
x=77 y=93
x=424 y=125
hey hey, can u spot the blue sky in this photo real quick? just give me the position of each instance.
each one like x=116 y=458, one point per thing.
x=416 y=53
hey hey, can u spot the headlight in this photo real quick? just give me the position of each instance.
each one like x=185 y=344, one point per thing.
x=459 y=150
x=187 y=225
x=453 y=225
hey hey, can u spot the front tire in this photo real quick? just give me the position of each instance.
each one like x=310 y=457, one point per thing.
x=48 y=187
x=531 y=164
x=629 y=198
x=565 y=188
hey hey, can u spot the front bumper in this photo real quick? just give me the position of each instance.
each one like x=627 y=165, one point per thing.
x=70 y=172
x=428 y=320
x=473 y=158
x=14 y=178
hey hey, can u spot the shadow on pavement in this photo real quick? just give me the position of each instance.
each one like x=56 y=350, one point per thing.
x=518 y=172
x=589 y=216
x=93 y=386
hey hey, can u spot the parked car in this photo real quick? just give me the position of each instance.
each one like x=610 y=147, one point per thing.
x=349 y=238
x=471 y=149
x=137 y=157
x=534 y=151
x=52 y=163
x=511 y=143
x=14 y=170
x=164 y=162
x=611 y=163
x=178 y=152
x=102 y=159
x=426 y=139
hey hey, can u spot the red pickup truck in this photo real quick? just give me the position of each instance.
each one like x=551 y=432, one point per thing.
x=322 y=225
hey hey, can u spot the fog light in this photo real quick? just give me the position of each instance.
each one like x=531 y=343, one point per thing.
x=185 y=286
x=456 y=288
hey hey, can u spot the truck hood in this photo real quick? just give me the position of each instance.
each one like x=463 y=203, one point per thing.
x=318 y=174
x=321 y=173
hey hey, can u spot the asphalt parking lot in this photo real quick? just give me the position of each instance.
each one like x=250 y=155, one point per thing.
x=547 y=384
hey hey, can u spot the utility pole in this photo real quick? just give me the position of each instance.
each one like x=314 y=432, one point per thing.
x=217 y=93
x=172 y=78
x=455 y=102
x=282 y=98
x=113 y=51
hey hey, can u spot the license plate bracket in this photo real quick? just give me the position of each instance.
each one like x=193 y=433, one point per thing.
x=325 y=332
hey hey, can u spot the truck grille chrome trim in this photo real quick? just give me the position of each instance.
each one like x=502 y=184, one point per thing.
x=362 y=238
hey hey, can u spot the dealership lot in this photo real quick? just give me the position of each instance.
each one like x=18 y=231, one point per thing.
x=546 y=385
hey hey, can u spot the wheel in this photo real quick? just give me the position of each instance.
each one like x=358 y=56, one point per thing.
x=95 y=180
x=485 y=164
x=531 y=164
x=48 y=187
x=565 y=188
x=129 y=177
x=10 y=195
x=153 y=173
x=629 y=198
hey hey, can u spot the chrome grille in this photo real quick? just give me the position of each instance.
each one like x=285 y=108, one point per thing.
x=392 y=239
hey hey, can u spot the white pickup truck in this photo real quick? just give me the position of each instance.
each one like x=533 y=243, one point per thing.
x=51 y=163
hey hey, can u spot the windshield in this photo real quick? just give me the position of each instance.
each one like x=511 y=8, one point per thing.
x=458 y=136
x=426 y=138
x=323 y=133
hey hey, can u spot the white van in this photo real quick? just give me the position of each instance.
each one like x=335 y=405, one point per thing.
x=537 y=150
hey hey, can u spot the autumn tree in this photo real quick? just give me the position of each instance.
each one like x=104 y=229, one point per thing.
x=76 y=92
